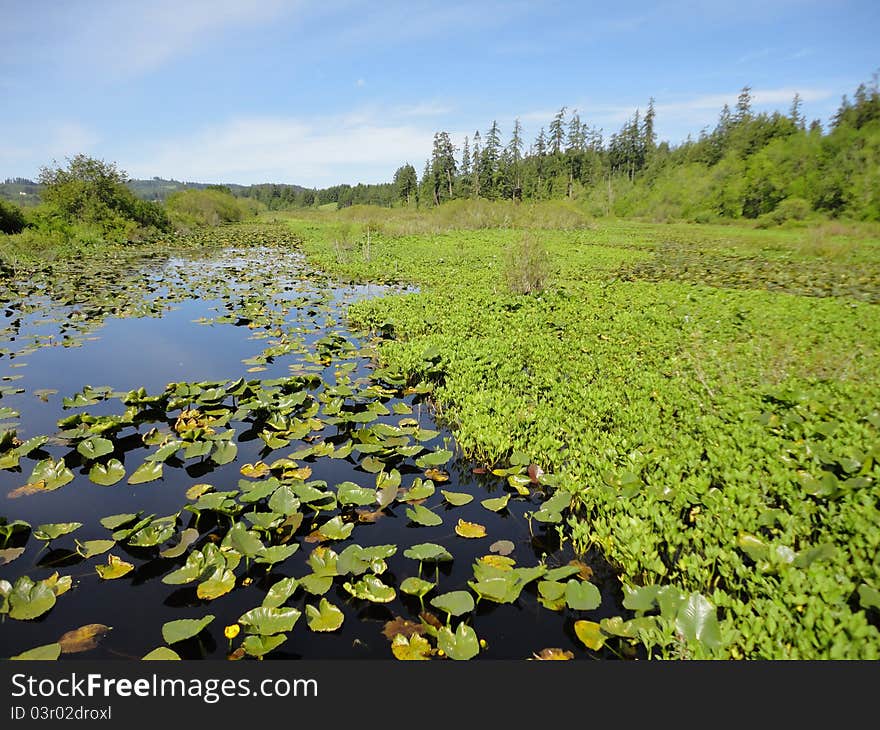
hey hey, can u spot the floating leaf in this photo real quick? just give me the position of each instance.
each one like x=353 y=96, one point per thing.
x=351 y=493
x=317 y=585
x=94 y=447
x=326 y=617
x=461 y=645
x=161 y=653
x=147 y=472
x=436 y=475
x=54 y=530
x=428 y=552
x=47 y=652
x=280 y=592
x=116 y=568
x=83 y=639
x=276 y=554
x=219 y=583
x=410 y=648
x=497 y=504
x=197 y=490
x=261 y=645
x=266 y=620
x=185 y=628
x=28 y=599
x=454 y=603
x=224 y=452
x=416 y=586
x=437 y=458
x=244 y=541
x=456 y=499
x=590 y=634
x=423 y=516
x=336 y=529
x=91 y=548
x=370 y=588
x=9 y=554
x=502 y=547
x=470 y=529
x=582 y=596
x=553 y=654
x=106 y=475
x=255 y=471
x=112 y=522
x=46 y=476
x=187 y=538
x=418 y=490
x=400 y=625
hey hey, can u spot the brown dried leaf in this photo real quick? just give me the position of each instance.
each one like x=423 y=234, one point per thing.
x=26 y=489
x=585 y=572
x=430 y=619
x=403 y=626
x=535 y=473
x=554 y=654
x=366 y=515
x=82 y=639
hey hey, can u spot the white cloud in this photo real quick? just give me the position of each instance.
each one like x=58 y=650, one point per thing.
x=360 y=83
x=274 y=149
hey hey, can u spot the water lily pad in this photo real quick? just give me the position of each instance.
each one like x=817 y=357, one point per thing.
x=55 y=530
x=317 y=585
x=436 y=458
x=470 y=529
x=47 y=652
x=502 y=547
x=336 y=529
x=456 y=499
x=411 y=648
x=116 y=567
x=224 y=452
x=419 y=490
x=113 y=522
x=94 y=447
x=187 y=538
x=461 y=645
x=149 y=471
x=28 y=599
x=324 y=617
x=428 y=552
x=106 y=475
x=185 y=628
x=90 y=548
x=697 y=621
x=590 y=634
x=437 y=475
x=454 y=603
x=255 y=471
x=371 y=588
x=244 y=541
x=258 y=646
x=84 y=638
x=351 y=493
x=284 y=501
x=497 y=504
x=53 y=474
x=276 y=554
x=416 y=586
x=266 y=620
x=582 y=596
x=219 y=583
x=161 y=653
x=423 y=516
x=280 y=592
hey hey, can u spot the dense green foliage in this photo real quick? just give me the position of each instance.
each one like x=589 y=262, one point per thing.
x=93 y=192
x=12 y=218
x=209 y=207
x=707 y=395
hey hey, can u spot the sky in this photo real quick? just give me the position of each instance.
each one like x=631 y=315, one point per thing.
x=321 y=93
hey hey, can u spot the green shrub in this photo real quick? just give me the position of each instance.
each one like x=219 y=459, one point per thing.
x=12 y=218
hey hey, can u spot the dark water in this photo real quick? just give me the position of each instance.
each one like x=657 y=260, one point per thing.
x=151 y=351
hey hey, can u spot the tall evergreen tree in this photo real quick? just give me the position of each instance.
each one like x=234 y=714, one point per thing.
x=557 y=132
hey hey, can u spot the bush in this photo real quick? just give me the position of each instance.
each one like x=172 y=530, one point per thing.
x=12 y=218
x=526 y=266
x=94 y=193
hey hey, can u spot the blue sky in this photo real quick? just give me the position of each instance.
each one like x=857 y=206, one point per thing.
x=318 y=93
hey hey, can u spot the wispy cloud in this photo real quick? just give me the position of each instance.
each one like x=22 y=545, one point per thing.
x=44 y=142
x=303 y=151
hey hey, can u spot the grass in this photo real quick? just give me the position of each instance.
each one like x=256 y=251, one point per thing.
x=689 y=385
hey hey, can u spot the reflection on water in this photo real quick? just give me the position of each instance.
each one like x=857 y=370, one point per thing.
x=207 y=332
